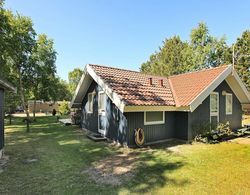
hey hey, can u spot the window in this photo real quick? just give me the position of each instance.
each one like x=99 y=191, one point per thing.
x=229 y=103
x=214 y=104
x=151 y=118
x=90 y=102
x=101 y=105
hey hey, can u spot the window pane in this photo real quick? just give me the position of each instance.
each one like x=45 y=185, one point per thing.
x=214 y=102
x=101 y=101
x=90 y=100
x=229 y=103
x=154 y=116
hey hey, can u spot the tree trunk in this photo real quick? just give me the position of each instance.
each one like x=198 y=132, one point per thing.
x=25 y=106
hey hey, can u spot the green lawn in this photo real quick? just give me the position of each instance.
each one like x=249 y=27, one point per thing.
x=64 y=152
x=246 y=120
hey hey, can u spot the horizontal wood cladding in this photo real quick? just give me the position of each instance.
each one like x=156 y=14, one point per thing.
x=1 y=118
x=152 y=132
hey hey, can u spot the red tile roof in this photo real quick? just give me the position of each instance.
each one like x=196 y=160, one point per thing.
x=134 y=88
x=186 y=87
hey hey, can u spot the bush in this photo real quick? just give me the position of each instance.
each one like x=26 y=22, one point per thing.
x=76 y=117
x=221 y=132
x=64 y=108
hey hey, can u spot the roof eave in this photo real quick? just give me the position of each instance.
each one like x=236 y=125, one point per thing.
x=8 y=86
x=81 y=89
x=206 y=92
x=115 y=98
x=136 y=108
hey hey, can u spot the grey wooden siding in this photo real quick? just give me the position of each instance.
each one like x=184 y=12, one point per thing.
x=120 y=126
x=201 y=115
x=152 y=132
x=1 y=118
x=181 y=125
x=115 y=122
x=90 y=120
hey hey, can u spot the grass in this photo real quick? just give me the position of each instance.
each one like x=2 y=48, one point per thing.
x=246 y=120
x=63 y=152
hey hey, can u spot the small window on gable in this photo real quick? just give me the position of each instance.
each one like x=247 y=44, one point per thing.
x=154 y=117
x=214 y=104
x=90 y=102
x=101 y=103
x=229 y=103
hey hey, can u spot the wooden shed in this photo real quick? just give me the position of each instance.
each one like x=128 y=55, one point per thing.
x=3 y=87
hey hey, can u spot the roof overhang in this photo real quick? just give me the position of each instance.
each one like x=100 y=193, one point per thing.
x=233 y=80
x=155 y=108
x=81 y=90
x=7 y=86
x=84 y=84
x=229 y=75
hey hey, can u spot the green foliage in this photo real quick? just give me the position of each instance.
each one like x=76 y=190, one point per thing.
x=202 y=51
x=168 y=60
x=224 y=128
x=27 y=60
x=204 y=133
x=242 y=57
x=43 y=60
x=59 y=90
x=176 y=56
x=64 y=108
x=201 y=128
x=74 y=78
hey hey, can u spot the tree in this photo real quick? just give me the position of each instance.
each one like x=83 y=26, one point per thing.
x=207 y=51
x=64 y=108
x=74 y=78
x=168 y=60
x=21 y=42
x=59 y=90
x=4 y=40
x=43 y=60
x=242 y=57
x=176 y=56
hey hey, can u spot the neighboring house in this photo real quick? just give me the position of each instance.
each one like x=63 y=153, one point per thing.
x=3 y=86
x=115 y=101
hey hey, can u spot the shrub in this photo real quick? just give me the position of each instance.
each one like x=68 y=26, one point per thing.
x=221 y=132
x=64 y=108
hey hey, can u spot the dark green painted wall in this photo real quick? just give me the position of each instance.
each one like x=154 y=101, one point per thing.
x=201 y=115
x=181 y=125
x=1 y=118
x=90 y=120
x=152 y=132
x=120 y=127
x=114 y=121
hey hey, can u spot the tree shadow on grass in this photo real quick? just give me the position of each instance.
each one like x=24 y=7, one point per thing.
x=153 y=173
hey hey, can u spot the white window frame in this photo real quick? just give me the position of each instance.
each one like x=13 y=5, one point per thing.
x=154 y=122
x=90 y=106
x=231 y=95
x=218 y=108
x=104 y=103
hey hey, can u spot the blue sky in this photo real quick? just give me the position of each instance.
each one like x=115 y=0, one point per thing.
x=123 y=33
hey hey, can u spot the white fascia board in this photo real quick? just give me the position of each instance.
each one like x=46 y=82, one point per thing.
x=155 y=108
x=238 y=88
x=8 y=86
x=206 y=92
x=242 y=85
x=115 y=98
x=81 y=90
